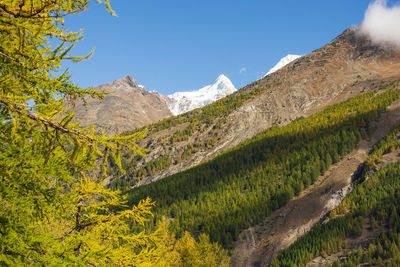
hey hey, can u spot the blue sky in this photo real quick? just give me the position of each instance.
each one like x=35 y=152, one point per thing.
x=181 y=45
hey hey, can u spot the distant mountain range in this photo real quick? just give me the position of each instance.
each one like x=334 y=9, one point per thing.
x=130 y=105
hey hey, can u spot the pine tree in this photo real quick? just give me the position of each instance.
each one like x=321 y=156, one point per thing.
x=54 y=208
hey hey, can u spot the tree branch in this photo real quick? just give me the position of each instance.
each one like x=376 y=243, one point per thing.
x=15 y=60
x=33 y=14
x=57 y=126
x=49 y=123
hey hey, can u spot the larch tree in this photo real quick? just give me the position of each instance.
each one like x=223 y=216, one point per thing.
x=54 y=208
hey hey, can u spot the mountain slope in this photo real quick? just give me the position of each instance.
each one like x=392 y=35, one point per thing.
x=246 y=183
x=364 y=229
x=284 y=226
x=128 y=106
x=181 y=102
x=348 y=66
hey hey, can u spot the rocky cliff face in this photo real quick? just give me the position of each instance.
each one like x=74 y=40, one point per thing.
x=128 y=106
x=347 y=66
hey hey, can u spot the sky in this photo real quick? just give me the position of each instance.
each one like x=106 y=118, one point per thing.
x=182 y=45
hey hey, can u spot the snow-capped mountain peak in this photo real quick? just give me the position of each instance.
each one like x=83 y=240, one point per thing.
x=181 y=102
x=222 y=78
x=283 y=62
x=223 y=83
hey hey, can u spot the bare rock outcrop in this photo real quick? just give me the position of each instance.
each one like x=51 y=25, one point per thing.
x=128 y=106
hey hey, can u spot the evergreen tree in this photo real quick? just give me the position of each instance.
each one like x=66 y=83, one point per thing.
x=54 y=209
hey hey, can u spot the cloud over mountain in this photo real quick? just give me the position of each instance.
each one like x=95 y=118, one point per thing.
x=382 y=23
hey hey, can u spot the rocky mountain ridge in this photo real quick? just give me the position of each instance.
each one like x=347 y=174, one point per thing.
x=128 y=106
x=150 y=106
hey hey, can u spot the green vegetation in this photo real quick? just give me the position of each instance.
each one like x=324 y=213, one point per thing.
x=386 y=145
x=209 y=113
x=184 y=134
x=245 y=184
x=54 y=208
x=372 y=205
x=201 y=118
x=126 y=182
x=196 y=120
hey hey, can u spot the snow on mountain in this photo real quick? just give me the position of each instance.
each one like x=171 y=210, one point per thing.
x=283 y=62
x=181 y=102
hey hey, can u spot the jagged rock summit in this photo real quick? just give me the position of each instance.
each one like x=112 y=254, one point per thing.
x=181 y=102
x=128 y=106
x=126 y=83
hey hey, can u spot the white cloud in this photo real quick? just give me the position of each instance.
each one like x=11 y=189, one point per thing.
x=382 y=23
x=243 y=70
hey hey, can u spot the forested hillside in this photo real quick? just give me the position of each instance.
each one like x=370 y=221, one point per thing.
x=369 y=216
x=245 y=184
